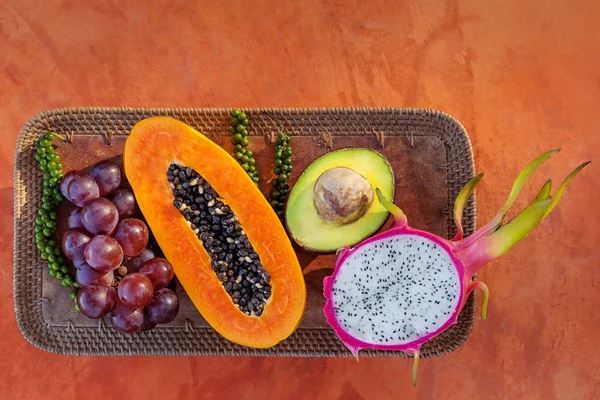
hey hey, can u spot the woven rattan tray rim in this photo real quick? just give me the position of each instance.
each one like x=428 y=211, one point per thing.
x=305 y=342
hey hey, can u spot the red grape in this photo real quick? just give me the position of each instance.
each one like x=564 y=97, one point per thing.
x=135 y=290
x=74 y=220
x=64 y=183
x=82 y=189
x=86 y=275
x=163 y=307
x=147 y=325
x=96 y=301
x=103 y=253
x=132 y=235
x=135 y=263
x=126 y=319
x=80 y=262
x=73 y=244
x=124 y=200
x=160 y=272
x=100 y=216
x=108 y=176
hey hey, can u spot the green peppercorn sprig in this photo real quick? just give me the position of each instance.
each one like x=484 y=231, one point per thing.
x=243 y=155
x=45 y=223
x=283 y=169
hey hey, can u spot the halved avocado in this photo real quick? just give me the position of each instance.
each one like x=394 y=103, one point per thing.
x=331 y=205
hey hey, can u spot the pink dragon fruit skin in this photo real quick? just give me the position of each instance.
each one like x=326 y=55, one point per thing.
x=467 y=255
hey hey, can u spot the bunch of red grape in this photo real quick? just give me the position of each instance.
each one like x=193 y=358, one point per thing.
x=104 y=237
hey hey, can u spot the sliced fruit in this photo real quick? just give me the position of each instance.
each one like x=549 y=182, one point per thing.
x=218 y=231
x=331 y=205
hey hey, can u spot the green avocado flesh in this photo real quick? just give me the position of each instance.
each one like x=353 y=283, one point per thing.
x=303 y=221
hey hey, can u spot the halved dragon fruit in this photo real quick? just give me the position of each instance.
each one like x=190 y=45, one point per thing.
x=402 y=287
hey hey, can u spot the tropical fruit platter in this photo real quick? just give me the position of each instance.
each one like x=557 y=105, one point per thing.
x=254 y=231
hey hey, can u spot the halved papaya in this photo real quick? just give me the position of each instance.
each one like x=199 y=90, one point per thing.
x=227 y=246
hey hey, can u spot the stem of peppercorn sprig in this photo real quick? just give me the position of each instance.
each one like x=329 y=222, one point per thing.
x=45 y=222
x=241 y=152
x=283 y=169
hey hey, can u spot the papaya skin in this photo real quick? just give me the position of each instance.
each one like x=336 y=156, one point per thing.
x=155 y=143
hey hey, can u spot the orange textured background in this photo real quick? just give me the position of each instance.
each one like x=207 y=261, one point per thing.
x=522 y=77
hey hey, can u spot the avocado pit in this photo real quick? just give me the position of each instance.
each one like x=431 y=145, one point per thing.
x=341 y=196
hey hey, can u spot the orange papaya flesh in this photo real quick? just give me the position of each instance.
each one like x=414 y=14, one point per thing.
x=152 y=146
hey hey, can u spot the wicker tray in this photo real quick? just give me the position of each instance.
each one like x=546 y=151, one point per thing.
x=430 y=152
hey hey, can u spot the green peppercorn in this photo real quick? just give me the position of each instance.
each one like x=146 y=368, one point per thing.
x=244 y=142
x=278 y=162
x=245 y=166
x=249 y=153
x=237 y=148
x=234 y=121
x=277 y=170
x=47 y=232
x=245 y=122
x=51 y=257
x=44 y=256
x=239 y=155
x=275 y=183
x=274 y=194
x=235 y=113
x=255 y=179
x=252 y=161
x=238 y=137
x=73 y=295
x=278 y=154
x=53 y=273
x=288 y=161
x=282 y=178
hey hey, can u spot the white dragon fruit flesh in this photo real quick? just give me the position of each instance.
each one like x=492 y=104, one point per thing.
x=402 y=287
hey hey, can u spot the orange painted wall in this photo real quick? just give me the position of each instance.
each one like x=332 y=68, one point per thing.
x=522 y=77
